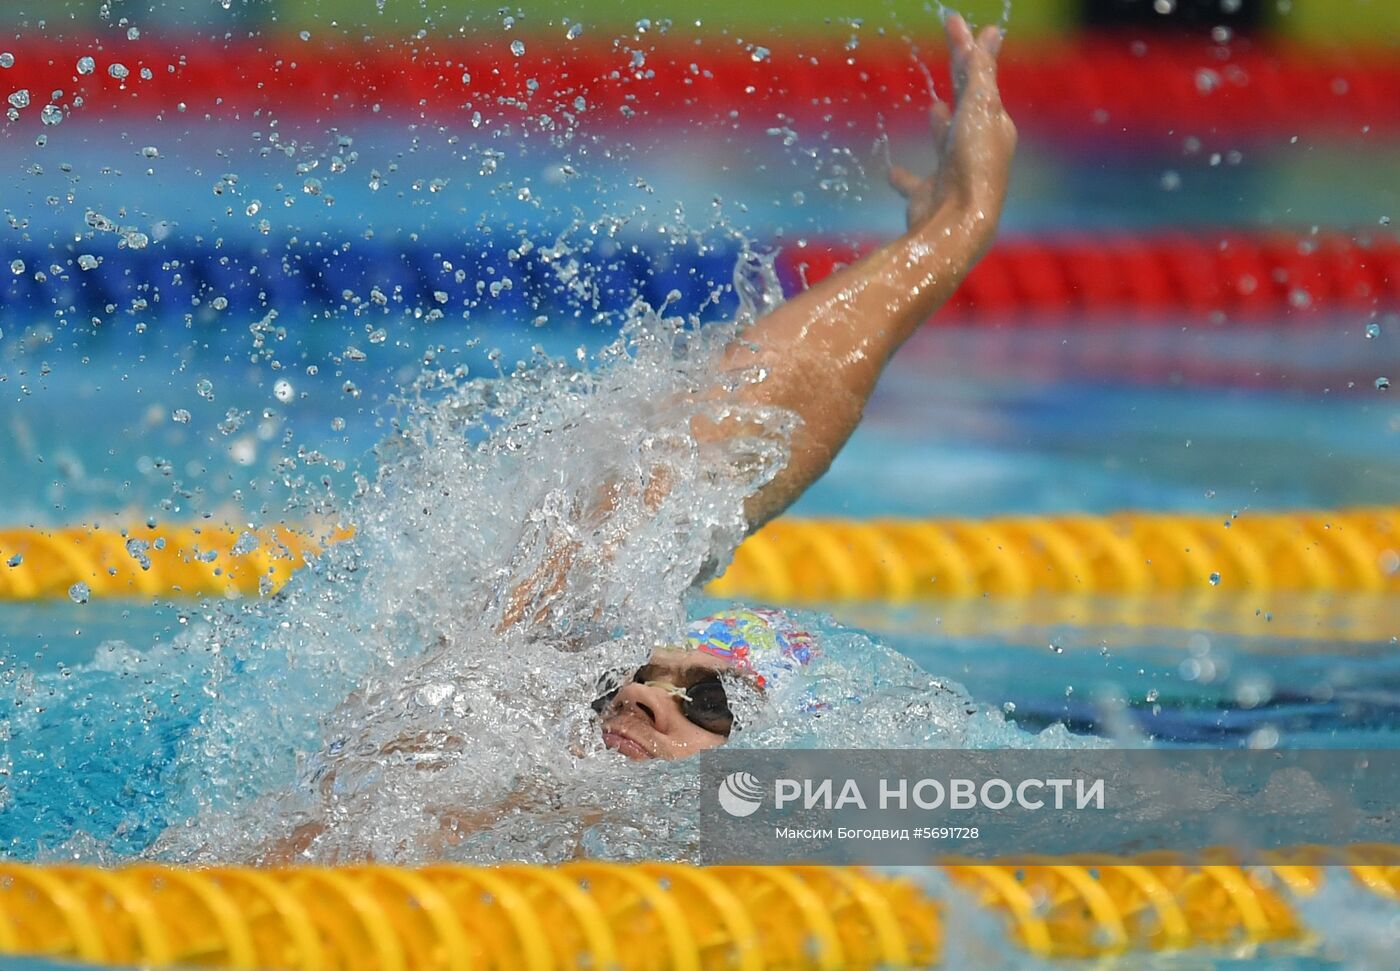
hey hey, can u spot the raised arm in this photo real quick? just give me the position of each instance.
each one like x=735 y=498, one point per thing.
x=823 y=350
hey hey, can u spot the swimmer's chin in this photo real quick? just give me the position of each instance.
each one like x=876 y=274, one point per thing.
x=628 y=746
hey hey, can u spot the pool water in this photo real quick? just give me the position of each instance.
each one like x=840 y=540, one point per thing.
x=963 y=424
x=1187 y=415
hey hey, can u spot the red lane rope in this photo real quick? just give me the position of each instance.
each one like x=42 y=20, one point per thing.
x=1222 y=278
x=1112 y=85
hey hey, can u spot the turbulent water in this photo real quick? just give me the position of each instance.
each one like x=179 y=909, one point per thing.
x=423 y=690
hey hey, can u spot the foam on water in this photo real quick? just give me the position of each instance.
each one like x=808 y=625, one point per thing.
x=424 y=689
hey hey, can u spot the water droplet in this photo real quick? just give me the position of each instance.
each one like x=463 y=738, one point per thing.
x=305 y=35
x=133 y=33
x=1009 y=707
x=1056 y=647
x=7 y=59
x=150 y=151
x=51 y=115
x=1373 y=330
x=517 y=47
x=17 y=267
x=1215 y=579
x=282 y=390
x=20 y=98
x=86 y=65
x=1382 y=384
x=312 y=187
x=138 y=549
x=219 y=303
x=79 y=593
x=15 y=560
x=575 y=31
x=246 y=543
x=205 y=389
x=88 y=261
x=180 y=416
x=118 y=71
x=760 y=53
x=254 y=208
x=1266 y=737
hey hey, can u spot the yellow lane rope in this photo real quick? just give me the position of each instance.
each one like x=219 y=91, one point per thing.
x=151 y=561
x=814 y=560
x=903 y=561
x=654 y=916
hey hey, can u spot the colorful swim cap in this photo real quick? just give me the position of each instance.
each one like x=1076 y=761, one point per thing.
x=764 y=642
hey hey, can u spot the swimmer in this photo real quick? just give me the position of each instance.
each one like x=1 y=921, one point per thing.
x=823 y=351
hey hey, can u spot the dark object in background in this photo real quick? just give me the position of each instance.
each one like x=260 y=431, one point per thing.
x=1173 y=14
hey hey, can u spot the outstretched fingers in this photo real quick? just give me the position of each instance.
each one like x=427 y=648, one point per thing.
x=906 y=183
x=940 y=116
x=973 y=58
x=959 y=34
x=989 y=40
x=960 y=47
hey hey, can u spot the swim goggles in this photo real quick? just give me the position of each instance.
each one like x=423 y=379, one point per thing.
x=703 y=703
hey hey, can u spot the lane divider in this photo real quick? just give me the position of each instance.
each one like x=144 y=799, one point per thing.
x=149 y=561
x=656 y=916
x=800 y=561
x=1205 y=280
x=901 y=561
x=1105 y=86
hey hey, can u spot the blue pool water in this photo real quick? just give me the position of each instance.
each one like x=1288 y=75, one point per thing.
x=1184 y=416
x=1189 y=416
x=959 y=427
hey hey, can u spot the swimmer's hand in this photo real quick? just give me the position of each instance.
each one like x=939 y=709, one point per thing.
x=975 y=139
x=821 y=352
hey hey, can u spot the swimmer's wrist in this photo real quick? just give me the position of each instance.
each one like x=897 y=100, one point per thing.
x=956 y=231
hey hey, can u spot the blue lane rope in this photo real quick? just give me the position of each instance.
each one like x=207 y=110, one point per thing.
x=213 y=281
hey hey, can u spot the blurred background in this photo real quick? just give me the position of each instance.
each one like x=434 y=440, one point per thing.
x=236 y=230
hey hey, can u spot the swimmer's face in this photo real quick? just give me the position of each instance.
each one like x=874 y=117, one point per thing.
x=647 y=718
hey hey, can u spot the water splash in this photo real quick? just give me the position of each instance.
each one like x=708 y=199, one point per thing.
x=424 y=690
x=573 y=496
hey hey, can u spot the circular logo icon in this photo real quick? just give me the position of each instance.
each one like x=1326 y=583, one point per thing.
x=740 y=794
